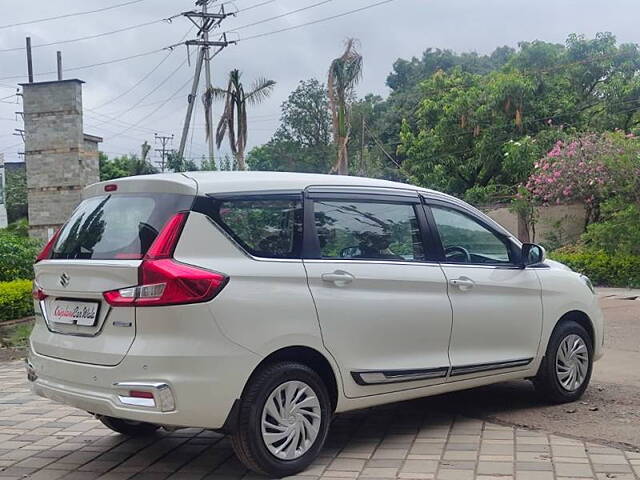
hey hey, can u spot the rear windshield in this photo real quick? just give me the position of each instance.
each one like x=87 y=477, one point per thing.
x=114 y=227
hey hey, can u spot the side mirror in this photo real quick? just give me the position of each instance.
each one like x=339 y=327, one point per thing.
x=532 y=254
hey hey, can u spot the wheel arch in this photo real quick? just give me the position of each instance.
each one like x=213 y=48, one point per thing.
x=582 y=319
x=308 y=356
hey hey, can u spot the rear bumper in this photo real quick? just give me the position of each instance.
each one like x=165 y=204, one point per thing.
x=187 y=391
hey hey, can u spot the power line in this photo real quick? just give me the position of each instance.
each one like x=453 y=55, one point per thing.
x=93 y=65
x=314 y=22
x=251 y=7
x=67 y=15
x=156 y=110
x=135 y=85
x=155 y=89
x=118 y=122
x=139 y=82
x=88 y=37
x=292 y=12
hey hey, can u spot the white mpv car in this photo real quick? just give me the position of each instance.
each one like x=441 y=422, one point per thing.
x=260 y=304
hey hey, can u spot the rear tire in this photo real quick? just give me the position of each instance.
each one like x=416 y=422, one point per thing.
x=565 y=371
x=129 y=428
x=283 y=419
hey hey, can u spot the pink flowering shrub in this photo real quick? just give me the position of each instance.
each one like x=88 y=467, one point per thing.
x=588 y=170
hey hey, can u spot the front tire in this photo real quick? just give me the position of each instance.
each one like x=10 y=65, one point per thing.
x=283 y=420
x=565 y=371
x=129 y=428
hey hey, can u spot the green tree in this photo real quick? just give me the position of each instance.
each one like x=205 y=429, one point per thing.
x=458 y=136
x=16 y=194
x=344 y=74
x=302 y=142
x=124 y=166
x=234 y=123
x=177 y=163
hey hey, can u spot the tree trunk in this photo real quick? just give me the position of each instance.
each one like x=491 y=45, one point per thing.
x=523 y=228
x=242 y=166
x=342 y=165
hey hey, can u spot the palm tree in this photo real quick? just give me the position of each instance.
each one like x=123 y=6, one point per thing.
x=344 y=74
x=233 y=122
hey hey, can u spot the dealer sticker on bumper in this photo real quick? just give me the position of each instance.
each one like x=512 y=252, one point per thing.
x=74 y=313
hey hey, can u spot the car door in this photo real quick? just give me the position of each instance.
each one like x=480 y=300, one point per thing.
x=497 y=306
x=381 y=301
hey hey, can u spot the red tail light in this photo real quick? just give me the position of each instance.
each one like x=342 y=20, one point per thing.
x=48 y=248
x=164 y=281
x=167 y=282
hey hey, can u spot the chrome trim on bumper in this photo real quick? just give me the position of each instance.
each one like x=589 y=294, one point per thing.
x=162 y=400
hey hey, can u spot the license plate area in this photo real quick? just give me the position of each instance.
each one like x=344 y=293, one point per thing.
x=82 y=313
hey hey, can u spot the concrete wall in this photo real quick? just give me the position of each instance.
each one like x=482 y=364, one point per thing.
x=59 y=161
x=556 y=222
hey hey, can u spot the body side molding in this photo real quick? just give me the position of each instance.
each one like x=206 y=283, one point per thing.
x=377 y=377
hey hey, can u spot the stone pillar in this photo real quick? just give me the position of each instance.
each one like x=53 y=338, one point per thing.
x=59 y=165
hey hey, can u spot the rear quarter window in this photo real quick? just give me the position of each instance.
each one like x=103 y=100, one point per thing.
x=269 y=228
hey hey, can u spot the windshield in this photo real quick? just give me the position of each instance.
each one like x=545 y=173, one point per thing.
x=113 y=227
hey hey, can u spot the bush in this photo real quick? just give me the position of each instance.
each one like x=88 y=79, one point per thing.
x=15 y=300
x=17 y=254
x=604 y=269
x=618 y=232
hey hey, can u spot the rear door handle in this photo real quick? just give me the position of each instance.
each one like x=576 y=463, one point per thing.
x=463 y=283
x=340 y=278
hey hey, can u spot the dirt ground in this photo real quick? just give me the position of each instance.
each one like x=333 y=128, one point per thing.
x=608 y=413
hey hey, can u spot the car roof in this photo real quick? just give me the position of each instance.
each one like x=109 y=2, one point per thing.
x=204 y=183
x=229 y=182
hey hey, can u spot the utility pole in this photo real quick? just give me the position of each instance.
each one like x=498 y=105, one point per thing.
x=59 y=62
x=207 y=74
x=29 y=60
x=164 y=151
x=205 y=21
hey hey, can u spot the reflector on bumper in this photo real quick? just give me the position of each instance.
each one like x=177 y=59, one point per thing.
x=147 y=395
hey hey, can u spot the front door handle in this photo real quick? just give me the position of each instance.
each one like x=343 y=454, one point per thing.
x=463 y=283
x=340 y=278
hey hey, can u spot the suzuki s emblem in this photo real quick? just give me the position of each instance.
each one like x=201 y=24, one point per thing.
x=65 y=279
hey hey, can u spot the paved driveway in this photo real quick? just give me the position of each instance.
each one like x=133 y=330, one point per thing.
x=42 y=440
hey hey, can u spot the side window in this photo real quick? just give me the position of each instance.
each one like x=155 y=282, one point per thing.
x=368 y=231
x=467 y=241
x=270 y=228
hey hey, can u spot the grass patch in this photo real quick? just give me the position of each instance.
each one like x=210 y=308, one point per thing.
x=15 y=336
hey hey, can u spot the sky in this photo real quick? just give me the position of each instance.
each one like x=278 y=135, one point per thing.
x=157 y=104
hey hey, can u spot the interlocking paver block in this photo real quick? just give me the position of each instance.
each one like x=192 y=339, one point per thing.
x=573 y=470
x=46 y=441
x=533 y=475
x=495 y=468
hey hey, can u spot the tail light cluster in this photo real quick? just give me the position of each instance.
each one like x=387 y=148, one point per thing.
x=163 y=280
